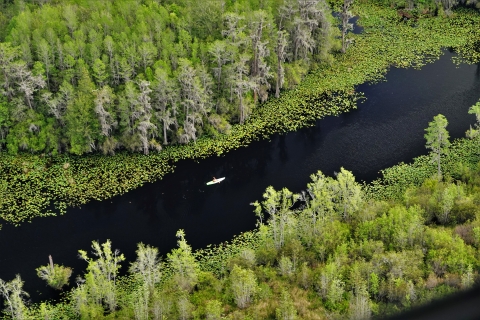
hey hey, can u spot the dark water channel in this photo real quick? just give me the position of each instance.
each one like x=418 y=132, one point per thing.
x=386 y=129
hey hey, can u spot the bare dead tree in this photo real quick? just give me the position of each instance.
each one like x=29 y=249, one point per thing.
x=286 y=12
x=103 y=98
x=280 y=50
x=303 y=42
x=233 y=28
x=240 y=84
x=26 y=82
x=346 y=15
x=220 y=56
x=260 y=71
x=145 y=128
x=165 y=100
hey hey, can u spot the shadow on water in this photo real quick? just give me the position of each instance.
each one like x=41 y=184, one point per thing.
x=357 y=29
x=386 y=129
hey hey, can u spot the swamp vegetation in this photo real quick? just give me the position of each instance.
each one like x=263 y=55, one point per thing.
x=336 y=250
x=39 y=183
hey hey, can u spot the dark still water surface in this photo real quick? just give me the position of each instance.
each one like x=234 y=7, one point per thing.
x=386 y=129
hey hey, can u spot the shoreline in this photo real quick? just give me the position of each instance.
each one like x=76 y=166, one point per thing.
x=31 y=184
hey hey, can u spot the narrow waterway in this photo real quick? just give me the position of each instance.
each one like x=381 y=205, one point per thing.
x=384 y=130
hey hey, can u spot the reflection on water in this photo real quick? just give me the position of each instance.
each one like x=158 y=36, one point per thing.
x=386 y=129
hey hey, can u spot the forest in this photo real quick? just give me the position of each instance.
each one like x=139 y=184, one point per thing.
x=97 y=78
x=40 y=183
x=337 y=250
x=80 y=77
x=100 y=76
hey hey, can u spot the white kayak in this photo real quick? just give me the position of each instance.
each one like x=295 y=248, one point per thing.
x=216 y=181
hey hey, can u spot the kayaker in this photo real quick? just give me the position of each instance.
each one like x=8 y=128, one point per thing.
x=214 y=180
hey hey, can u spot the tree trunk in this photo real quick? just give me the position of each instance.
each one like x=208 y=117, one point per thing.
x=277 y=85
x=164 y=133
x=439 y=169
x=219 y=77
x=241 y=109
x=51 y=262
x=439 y=155
x=255 y=72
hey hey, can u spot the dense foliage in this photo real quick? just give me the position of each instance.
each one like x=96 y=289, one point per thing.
x=463 y=156
x=80 y=76
x=414 y=8
x=30 y=184
x=340 y=255
x=349 y=251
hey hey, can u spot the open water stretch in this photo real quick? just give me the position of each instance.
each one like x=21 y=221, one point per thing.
x=386 y=129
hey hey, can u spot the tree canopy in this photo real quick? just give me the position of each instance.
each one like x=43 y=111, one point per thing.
x=303 y=263
x=85 y=76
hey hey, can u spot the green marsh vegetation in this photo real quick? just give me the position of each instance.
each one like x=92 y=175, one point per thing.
x=82 y=71
x=458 y=160
x=345 y=252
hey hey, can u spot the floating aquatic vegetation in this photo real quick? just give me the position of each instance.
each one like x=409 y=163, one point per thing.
x=33 y=186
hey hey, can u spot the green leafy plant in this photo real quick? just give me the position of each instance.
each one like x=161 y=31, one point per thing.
x=57 y=276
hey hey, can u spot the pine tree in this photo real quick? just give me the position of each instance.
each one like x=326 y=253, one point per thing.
x=475 y=109
x=437 y=140
x=183 y=262
x=80 y=119
x=165 y=100
x=99 y=72
x=348 y=194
